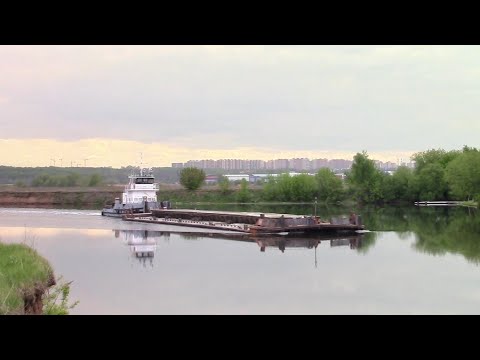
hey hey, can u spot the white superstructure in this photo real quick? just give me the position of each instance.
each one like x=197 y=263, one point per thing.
x=139 y=196
x=141 y=187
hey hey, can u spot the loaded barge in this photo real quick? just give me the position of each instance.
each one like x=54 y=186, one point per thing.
x=139 y=203
x=250 y=222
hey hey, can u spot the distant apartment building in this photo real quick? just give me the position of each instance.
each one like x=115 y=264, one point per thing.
x=319 y=163
x=280 y=164
x=255 y=164
x=299 y=164
x=338 y=164
x=295 y=164
x=385 y=166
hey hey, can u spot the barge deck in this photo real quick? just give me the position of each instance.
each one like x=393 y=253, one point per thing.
x=249 y=222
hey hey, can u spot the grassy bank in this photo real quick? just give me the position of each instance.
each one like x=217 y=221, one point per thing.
x=22 y=272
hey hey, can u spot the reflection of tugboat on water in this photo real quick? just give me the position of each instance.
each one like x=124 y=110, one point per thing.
x=139 y=196
x=142 y=246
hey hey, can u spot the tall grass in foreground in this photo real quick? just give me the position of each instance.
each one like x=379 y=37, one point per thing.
x=21 y=268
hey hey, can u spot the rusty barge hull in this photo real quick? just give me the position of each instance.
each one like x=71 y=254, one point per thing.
x=249 y=223
x=189 y=223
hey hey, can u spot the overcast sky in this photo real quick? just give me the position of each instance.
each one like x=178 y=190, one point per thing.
x=175 y=103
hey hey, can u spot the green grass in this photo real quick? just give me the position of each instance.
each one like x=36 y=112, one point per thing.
x=21 y=268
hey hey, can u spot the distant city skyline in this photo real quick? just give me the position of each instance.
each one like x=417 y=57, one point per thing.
x=300 y=164
x=118 y=153
x=102 y=105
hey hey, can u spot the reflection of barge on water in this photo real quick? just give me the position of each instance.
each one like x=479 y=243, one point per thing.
x=143 y=242
x=250 y=223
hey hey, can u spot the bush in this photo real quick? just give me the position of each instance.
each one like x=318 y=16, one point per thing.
x=56 y=300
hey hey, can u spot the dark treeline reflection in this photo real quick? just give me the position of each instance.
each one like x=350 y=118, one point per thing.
x=437 y=230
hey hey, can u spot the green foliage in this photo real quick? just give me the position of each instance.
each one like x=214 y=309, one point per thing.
x=20 y=184
x=56 y=300
x=243 y=194
x=95 y=180
x=329 y=187
x=440 y=157
x=365 y=179
x=10 y=174
x=67 y=180
x=304 y=187
x=463 y=175
x=431 y=182
x=224 y=185
x=21 y=268
x=399 y=186
x=270 y=189
x=296 y=188
x=192 y=178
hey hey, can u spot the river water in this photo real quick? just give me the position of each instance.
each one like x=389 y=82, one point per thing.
x=413 y=261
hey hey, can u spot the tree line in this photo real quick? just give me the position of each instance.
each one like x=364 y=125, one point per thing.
x=438 y=175
x=64 y=176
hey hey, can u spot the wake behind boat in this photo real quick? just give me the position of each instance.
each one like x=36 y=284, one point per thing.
x=139 y=196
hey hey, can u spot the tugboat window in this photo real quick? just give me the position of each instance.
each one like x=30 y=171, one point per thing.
x=144 y=181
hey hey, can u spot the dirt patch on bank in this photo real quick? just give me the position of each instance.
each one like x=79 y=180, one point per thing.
x=33 y=297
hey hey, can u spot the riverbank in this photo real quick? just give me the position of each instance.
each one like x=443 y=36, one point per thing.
x=25 y=278
x=65 y=197
x=81 y=197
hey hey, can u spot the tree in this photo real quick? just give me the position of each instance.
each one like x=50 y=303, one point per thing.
x=431 y=183
x=463 y=175
x=303 y=187
x=224 y=185
x=243 y=195
x=329 y=186
x=430 y=170
x=192 y=178
x=400 y=185
x=270 y=189
x=290 y=188
x=365 y=179
x=439 y=156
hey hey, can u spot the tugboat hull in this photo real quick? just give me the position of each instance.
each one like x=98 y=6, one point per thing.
x=119 y=210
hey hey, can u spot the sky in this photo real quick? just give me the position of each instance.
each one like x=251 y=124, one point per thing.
x=104 y=105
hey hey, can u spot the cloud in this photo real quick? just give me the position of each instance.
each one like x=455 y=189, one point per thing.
x=296 y=98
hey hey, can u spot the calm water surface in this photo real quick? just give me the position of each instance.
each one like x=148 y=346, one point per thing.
x=414 y=261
